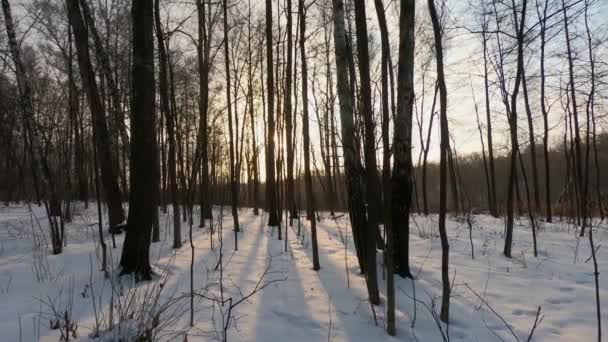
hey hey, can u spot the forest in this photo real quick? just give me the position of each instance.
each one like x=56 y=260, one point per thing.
x=339 y=170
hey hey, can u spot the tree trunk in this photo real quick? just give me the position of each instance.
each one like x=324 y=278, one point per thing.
x=271 y=194
x=582 y=199
x=33 y=144
x=544 y=110
x=107 y=160
x=513 y=125
x=386 y=162
x=443 y=121
x=202 y=53
x=371 y=170
x=170 y=121
x=290 y=196
x=532 y=139
x=401 y=182
x=492 y=174
x=425 y=155
x=356 y=205
x=135 y=256
x=310 y=201
x=106 y=69
x=254 y=147
x=234 y=196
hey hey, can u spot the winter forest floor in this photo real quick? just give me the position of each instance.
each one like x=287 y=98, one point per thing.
x=293 y=302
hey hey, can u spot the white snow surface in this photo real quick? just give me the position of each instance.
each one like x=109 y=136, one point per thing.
x=297 y=303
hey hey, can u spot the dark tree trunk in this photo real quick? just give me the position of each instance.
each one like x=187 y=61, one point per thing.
x=356 y=206
x=135 y=256
x=483 y=149
x=520 y=27
x=492 y=174
x=425 y=155
x=254 y=146
x=170 y=122
x=79 y=162
x=310 y=201
x=202 y=53
x=445 y=136
x=271 y=194
x=386 y=163
x=544 y=110
x=291 y=202
x=104 y=61
x=401 y=182
x=371 y=169
x=529 y=202
x=107 y=161
x=532 y=139
x=234 y=196
x=453 y=180
x=578 y=169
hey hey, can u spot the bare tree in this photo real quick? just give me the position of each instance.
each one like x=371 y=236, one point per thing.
x=102 y=141
x=203 y=52
x=386 y=171
x=234 y=196
x=356 y=206
x=310 y=201
x=33 y=138
x=542 y=17
x=519 y=24
x=135 y=256
x=371 y=170
x=401 y=181
x=443 y=122
x=271 y=194
x=170 y=122
x=290 y=200
x=492 y=173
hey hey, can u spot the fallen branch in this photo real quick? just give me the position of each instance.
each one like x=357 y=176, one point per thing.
x=537 y=321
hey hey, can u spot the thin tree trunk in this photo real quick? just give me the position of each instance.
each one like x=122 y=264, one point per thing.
x=79 y=163
x=170 y=122
x=203 y=51
x=254 y=147
x=544 y=110
x=483 y=149
x=386 y=163
x=290 y=200
x=443 y=120
x=371 y=170
x=582 y=200
x=107 y=160
x=492 y=188
x=513 y=125
x=532 y=140
x=271 y=194
x=310 y=201
x=106 y=68
x=426 y=153
x=233 y=188
x=33 y=144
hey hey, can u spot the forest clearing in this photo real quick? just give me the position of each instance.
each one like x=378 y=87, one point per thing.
x=325 y=170
x=293 y=300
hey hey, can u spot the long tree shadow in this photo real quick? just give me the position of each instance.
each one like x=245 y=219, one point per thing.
x=294 y=308
x=171 y=265
x=350 y=305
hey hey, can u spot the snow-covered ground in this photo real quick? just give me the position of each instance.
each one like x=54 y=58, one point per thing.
x=293 y=302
